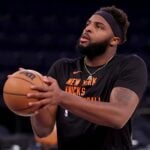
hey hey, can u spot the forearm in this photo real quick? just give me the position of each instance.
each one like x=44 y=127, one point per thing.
x=43 y=122
x=102 y=113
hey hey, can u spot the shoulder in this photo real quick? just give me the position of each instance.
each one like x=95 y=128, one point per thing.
x=134 y=66
x=135 y=58
x=132 y=73
x=131 y=60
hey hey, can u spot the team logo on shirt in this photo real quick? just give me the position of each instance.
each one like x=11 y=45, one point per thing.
x=78 y=87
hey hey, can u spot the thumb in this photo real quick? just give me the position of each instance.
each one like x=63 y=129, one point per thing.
x=48 y=79
x=21 y=69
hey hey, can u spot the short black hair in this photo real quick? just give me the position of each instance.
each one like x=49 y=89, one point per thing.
x=120 y=16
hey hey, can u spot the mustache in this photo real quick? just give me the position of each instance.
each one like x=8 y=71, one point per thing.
x=85 y=35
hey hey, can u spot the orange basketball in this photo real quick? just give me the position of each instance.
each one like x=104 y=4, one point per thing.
x=16 y=88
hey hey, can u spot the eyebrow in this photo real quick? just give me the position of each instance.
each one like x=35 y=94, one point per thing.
x=96 y=22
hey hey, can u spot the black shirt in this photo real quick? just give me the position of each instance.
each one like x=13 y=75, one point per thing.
x=76 y=133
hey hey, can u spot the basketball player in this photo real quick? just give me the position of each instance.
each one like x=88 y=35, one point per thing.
x=93 y=98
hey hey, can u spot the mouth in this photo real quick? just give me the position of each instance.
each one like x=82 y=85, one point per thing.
x=84 y=38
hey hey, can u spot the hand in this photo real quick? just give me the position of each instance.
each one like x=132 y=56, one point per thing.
x=47 y=95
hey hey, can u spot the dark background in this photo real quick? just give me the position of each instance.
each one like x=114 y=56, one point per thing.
x=34 y=33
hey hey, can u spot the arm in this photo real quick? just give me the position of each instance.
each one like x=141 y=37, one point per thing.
x=114 y=114
x=43 y=121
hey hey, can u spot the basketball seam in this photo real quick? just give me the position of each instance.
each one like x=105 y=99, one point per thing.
x=40 y=79
x=22 y=109
x=22 y=79
x=14 y=93
x=29 y=81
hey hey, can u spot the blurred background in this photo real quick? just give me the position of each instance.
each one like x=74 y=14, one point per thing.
x=35 y=33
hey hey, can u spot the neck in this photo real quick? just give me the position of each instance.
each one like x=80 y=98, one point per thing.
x=99 y=60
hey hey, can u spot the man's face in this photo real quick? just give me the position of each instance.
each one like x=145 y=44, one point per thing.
x=95 y=37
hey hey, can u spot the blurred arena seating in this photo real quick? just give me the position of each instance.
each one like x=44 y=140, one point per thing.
x=34 y=34
x=16 y=142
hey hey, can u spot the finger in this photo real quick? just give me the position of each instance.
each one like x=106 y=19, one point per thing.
x=37 y=111
x=39 y=95
x=49 y=80
x=40 y=88
x=39 y=104
x=9 y=76
x=21 y=69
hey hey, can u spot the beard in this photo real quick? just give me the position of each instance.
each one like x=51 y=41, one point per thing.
x=93 y=50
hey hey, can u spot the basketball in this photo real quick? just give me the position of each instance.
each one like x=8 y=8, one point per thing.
x=16 y=88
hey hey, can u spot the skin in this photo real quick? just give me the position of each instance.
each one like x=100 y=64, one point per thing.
x=113 y=114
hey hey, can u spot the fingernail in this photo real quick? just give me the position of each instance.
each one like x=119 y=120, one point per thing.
x=45 y=78
x=32 y=86
x=30 y=104
x=36 y=112
x=28 y=95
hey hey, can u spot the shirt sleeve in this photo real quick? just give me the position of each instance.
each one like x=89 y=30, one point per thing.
x=133 y=75
x=54 y=70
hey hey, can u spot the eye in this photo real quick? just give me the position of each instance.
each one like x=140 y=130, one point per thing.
x=87 y=23
x=99 y=26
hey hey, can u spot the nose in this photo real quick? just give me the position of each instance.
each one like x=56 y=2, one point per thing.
x=89 y=28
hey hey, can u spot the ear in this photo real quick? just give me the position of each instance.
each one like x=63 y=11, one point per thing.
x=115 y=41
